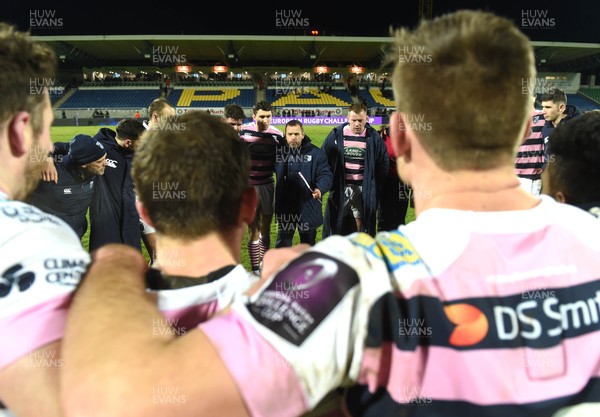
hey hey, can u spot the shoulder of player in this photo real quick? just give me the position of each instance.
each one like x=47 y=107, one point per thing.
x=69 y=174
x=25 y=223
x=273 y=129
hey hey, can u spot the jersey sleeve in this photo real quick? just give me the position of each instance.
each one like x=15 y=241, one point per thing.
x=302 y=334
x=41 y=262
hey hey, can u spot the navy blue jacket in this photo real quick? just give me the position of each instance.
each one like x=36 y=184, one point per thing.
x=70 y=198
x=376 y=167
x=113 y=215
x=292 y=196
x=571 y=112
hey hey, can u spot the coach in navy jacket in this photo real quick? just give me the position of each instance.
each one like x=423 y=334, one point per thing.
x=69 y=198
x=295 y=206
x=113 y=215
x=375 y=171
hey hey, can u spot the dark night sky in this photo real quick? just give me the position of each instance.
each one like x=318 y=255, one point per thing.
x=575 y=20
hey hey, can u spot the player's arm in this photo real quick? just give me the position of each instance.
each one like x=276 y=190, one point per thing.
x=49 y=172
x=382 y=162
x=330 y=148
x=123 y=359
x=37 y=282
x=324 y=177
x=29 y=386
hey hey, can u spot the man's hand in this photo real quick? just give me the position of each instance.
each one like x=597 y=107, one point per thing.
x=116 y=257
x=316 y=194
x=49 y=172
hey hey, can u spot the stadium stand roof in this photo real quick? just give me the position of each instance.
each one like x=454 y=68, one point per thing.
x=239 y=51
x=208 y=50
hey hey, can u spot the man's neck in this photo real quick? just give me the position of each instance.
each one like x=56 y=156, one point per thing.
x=6 y=184
x=490 y=190
x=560 y=117
x=198 y=257
x=120 y=142
x=4 y=194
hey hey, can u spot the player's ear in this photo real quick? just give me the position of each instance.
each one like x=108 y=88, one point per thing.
x=248 y=206
x=143 y=213
x=560 y=197
x=397 y=131
x=17 y=126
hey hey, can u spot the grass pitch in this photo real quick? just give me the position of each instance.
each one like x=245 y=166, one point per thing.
x=317 y=135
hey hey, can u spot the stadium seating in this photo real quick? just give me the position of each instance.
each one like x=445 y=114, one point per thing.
x=592 y=94
x=212 y=97
x=110 y=98
x=58 y=91
x=308 y=97
x=583 y=103
x=374 y=98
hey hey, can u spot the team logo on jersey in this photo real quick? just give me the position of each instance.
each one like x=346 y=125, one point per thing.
x=398 y=250
x=15 y=275
x=367 y=242
x=67 y=191
x=471 y=324
x=111 y=163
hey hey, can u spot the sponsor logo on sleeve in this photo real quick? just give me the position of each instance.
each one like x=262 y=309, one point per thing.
x=302 y=295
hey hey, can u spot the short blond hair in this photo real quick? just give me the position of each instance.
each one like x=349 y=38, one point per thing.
x=449 y=72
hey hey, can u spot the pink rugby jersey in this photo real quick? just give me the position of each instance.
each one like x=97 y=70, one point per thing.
x=263 y=148
x=41 y=262
x=460 y=313
x=186 y=302
x=529 y=162
x=355 y=148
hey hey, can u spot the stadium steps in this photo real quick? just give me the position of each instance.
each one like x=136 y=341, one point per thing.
x=582 y=102
x=261 y=95
x=591 y=93
x=64 y=98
